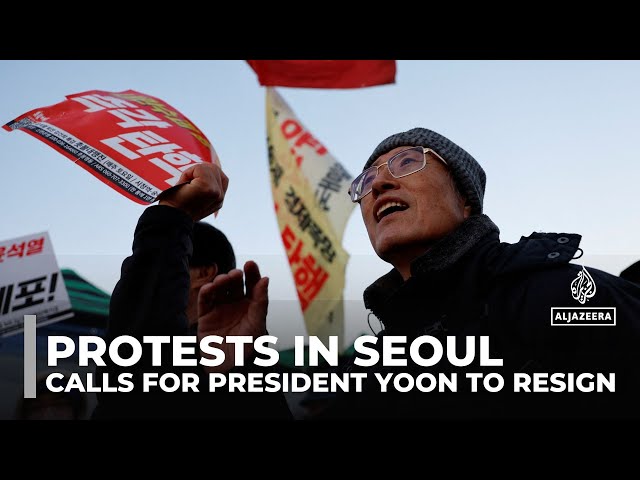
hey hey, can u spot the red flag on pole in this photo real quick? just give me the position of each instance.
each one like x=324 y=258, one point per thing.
x=324 y=73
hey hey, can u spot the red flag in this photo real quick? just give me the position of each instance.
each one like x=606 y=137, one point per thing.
x=324 y=73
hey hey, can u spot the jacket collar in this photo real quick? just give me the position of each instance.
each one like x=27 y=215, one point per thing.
x=442 y=256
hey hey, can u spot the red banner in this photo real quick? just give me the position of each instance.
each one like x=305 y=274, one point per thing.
x=135 y=143
x=324 y=73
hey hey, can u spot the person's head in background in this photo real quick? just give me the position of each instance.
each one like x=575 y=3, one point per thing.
x=212 y=255
x=632 y=273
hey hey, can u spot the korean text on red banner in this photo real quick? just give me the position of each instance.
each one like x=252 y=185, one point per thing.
x=135 y=143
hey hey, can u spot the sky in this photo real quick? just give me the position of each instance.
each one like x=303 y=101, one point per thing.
x=557 y=139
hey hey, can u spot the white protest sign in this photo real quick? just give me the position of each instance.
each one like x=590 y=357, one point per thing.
x=30 y=283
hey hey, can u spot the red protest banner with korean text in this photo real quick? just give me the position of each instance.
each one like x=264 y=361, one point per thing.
x=309 y=188
x=135 y=143
x=324 y=73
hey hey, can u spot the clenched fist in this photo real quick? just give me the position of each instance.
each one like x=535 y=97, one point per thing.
x=203 y=193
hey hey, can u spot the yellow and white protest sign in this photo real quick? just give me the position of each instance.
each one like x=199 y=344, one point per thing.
x=312 y=205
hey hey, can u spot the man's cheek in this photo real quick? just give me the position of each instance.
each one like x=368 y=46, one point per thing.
x=363 y=213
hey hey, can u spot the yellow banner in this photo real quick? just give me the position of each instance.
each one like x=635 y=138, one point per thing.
x=309 y=189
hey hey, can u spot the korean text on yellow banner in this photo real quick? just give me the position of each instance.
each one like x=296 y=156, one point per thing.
x=312 y=206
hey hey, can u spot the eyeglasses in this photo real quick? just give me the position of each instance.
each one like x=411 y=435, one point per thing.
x=403 y=163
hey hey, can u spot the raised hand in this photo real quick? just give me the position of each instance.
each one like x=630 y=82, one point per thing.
x=225 y=308
x=201 y=195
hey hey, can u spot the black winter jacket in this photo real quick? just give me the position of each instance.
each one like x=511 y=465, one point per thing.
x=471 y=284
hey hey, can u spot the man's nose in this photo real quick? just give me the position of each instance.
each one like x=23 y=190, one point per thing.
x=383 y=181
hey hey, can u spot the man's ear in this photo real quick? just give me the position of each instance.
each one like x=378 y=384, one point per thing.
x=467 y=211
x=202 y=275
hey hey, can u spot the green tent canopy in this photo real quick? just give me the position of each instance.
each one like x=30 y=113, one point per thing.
x=89 y=303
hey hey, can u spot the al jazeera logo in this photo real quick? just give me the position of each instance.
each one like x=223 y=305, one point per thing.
x=583 y=288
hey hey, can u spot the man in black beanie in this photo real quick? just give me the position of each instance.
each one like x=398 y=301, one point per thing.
x=421 y=199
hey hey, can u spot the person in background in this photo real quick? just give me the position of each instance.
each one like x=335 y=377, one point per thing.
x=175 y=256
x=632 y=273
x=212 y=254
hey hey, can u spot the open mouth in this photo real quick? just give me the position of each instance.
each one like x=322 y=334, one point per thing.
x=389 y=208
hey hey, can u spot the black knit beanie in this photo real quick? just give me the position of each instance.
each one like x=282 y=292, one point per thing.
x=211 y=246
x=467 y=173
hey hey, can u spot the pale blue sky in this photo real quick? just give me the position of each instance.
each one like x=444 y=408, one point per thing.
x=558 y=140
